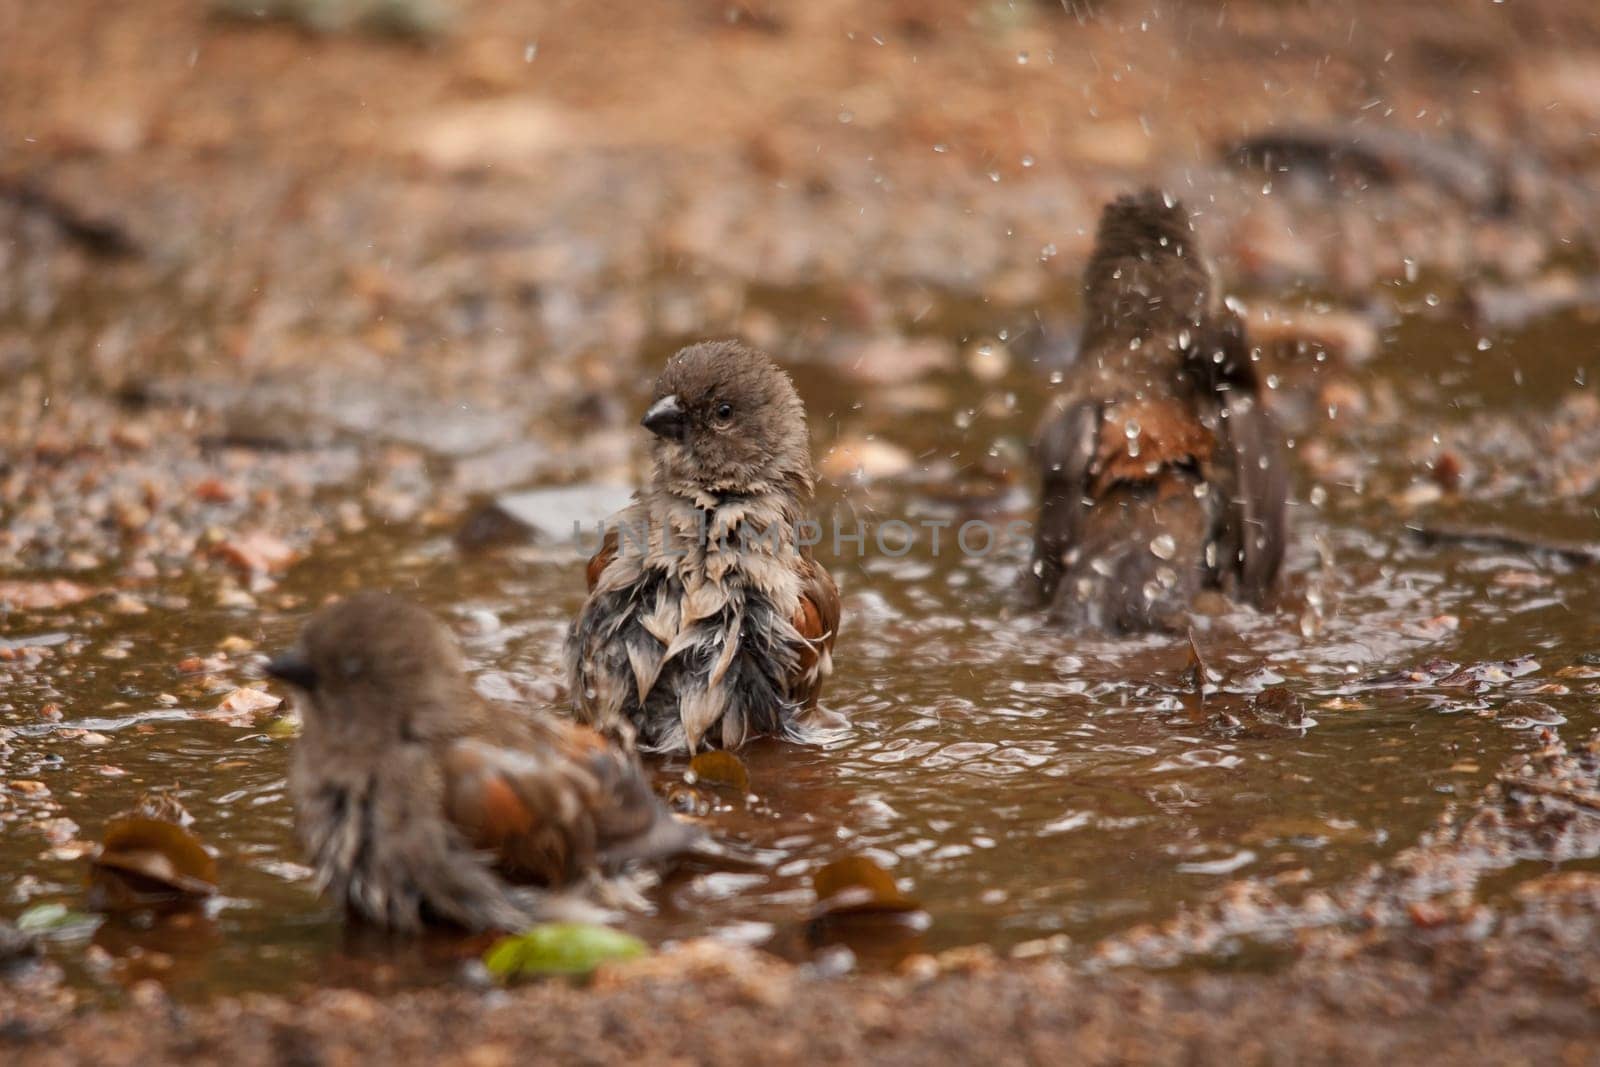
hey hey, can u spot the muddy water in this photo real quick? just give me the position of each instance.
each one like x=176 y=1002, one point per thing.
x=1021 y=784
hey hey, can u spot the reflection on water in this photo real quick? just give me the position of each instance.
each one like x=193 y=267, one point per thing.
x=1020 y=784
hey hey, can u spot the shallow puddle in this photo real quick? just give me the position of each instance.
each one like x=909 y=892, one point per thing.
x=1019 y=783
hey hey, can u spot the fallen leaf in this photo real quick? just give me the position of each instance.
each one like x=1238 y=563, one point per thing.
x=560 y=949
x=57 y=922
x=42 y=595
x=255 y=553
x=1195 y=680
x=284 y=726
x=242 y=705
x=149 y=860
x=721 y=768
x=857 y=885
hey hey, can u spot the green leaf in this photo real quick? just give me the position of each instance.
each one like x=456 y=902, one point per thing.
x=560 y=949
x=284 y=726
x=57 y=922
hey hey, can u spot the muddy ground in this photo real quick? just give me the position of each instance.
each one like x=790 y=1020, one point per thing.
x=269 y=295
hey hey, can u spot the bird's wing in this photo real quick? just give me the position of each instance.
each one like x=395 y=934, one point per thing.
x=1251 y=468
x=568 y=803
x=1065 y=454
x=1259 y=507
x=817 y=620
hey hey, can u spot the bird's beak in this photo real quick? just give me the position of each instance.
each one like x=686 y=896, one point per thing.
x=666 y=419
x=294 y=668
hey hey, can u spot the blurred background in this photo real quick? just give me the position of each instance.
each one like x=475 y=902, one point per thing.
x=303 y=295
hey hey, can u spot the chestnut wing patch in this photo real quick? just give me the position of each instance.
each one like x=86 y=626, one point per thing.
x=817 y=620
x=532 y=812
x=601 y=560
x=1138 y=438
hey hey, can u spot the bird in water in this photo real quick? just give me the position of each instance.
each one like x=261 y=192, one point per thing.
x=708 y=622
x=1161 y=472
x=418 y=802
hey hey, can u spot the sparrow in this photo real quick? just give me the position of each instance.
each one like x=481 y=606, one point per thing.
x=708 y=622
x=418 y=802
x=1162 y=473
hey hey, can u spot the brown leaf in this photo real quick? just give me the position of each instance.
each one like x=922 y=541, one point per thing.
x=42 y=595
x=255 y=553
x=148 y=860
x=856 y=885
x=241 y=706
x=1195 y=681
x=721 y=768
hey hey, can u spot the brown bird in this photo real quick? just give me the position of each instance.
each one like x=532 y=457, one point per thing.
x=708 y=622
x=418 y=802
x=1162 y=473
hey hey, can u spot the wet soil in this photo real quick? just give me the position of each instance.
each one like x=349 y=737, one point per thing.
x=280 y=313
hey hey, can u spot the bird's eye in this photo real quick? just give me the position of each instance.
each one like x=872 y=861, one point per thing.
x=724 y=411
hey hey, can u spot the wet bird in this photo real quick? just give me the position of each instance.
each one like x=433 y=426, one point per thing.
x=418 y=802
x=1162 y=474
x=708 y=621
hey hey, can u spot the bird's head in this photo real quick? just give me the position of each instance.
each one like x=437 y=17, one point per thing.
x=373 y=662
x=727 y=420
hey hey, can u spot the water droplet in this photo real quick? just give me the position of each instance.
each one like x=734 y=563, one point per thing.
x=1022 y=59
x=1027 y=161
x=530 y=51
x=1164 y=546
